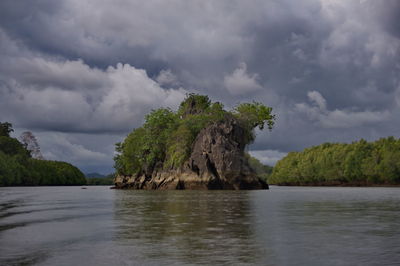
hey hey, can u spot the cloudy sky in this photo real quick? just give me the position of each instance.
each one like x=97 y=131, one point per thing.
x=81 y=74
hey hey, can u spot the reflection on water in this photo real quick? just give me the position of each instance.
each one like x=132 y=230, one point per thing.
x=282 y=226
x=333 y=226
x=188 y=226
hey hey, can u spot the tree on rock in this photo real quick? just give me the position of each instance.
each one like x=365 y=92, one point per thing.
x=5 y=129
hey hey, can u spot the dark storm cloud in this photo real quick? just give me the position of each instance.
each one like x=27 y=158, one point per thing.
x=329 y=68
x=58 y=28
x=387 y=14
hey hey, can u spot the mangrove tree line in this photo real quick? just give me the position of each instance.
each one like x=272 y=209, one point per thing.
x=358 y=163
x=17 y=167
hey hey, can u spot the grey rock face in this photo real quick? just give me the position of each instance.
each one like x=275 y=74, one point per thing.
x=218 y=153
x=217 y=161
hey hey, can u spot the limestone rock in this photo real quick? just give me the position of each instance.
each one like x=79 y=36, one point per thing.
x=217 y=161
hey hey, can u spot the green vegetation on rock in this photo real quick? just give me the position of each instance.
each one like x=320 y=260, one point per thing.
x=358 y=163
x=17 y=168
x=165 y=140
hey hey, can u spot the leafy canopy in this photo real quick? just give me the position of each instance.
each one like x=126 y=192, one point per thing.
x=18 y=168
x=336 y=163
x=255 y=114
x=5 y=129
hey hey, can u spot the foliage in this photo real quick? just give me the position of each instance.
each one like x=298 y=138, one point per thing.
x=179 y=145
x=254 y=115
x=49 y=173
x=166 y=138
x=263 y=171
x=5 y=129
x=18 y=168
x=194 y=104
x=11 y=146
x=12 y=171
x=360 y=162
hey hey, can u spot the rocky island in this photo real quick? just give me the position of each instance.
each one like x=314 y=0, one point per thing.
x=201 y=146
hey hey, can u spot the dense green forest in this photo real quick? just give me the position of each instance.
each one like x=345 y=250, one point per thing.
x=358 y=163
x=165 y=140
x=18 y=168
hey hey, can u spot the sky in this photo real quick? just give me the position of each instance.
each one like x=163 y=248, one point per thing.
x=82 y=74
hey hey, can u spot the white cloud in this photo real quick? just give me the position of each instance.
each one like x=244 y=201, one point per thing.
x=57 y=146
x=167 y=78
x=268 y=157
x=317 y=98
x=69 y=95
x=122 y=96
x=241 y=82
x=317 y=111
x=347 y=119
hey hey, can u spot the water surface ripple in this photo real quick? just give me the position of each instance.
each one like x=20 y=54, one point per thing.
x=282 y=226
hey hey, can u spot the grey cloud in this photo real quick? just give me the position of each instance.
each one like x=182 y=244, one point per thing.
x=90 y=152
x=59 y=146
x=59 y=64
x=317 y=111
x=202 y=41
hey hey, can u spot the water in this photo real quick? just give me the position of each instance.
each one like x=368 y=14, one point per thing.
x=282 y=226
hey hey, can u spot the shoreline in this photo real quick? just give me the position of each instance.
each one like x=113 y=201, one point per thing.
x=332 y=184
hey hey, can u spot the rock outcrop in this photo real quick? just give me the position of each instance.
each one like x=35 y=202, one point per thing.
x=217 y=161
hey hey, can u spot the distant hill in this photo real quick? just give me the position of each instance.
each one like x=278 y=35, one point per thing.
x=96 y=179
x=95 y=175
